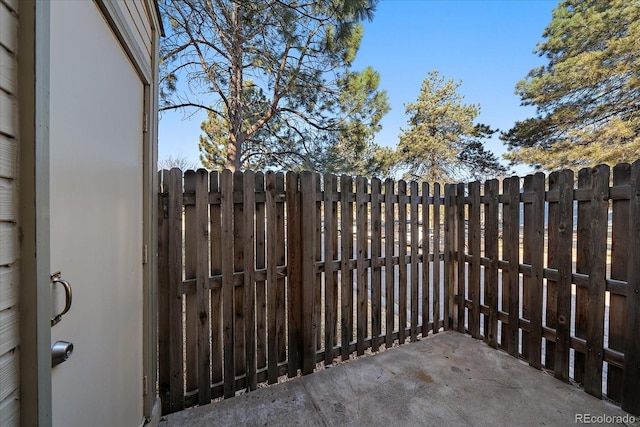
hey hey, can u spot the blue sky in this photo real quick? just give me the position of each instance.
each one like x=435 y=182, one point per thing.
x=485 y=44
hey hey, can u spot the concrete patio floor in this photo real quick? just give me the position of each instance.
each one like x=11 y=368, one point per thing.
x=448 y=379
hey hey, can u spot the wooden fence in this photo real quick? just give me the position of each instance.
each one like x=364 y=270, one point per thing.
x=263 y=275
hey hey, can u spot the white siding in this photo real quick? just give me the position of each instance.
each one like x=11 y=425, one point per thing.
x=9 y=377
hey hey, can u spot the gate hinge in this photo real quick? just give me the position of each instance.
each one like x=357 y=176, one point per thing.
x=145 y=254
x=145 y=122
x=145 y=385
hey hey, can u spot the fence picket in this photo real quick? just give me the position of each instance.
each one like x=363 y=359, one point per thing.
x=619 y=261
x=308 y=237
x=436 y=262
x=450 y=318
x=511 y=248
x=361 y=255
x=228 y=285
x=536 y=258
x=491 y=251
x=238 y=267
x=402 y=262
x=346 y=274
x=261 y=264
x=176 y=381
x=294 y=267
x=582 y=266
x=563 y=260
x=389 y=282
x=331 y=297
x=202 y=288
x=630 y=389
x=190 y=261
x=216 y=292
x=426 y=270
x=376 y=271
x=272 y=279
x=460 y=246
x=164 y=321
x=599 y=211
x=553 y=223
x=413 y=212
x=474 y=267
x=281 y=324
x=249 y=207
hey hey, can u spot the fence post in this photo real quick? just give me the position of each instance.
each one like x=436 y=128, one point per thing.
x=630 y=389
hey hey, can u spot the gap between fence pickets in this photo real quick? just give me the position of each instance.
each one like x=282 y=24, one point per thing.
x=311 y=211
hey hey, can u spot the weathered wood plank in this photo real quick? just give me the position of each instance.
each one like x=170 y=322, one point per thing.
x=474 y=267
x=228 y=288
x=460 y=253
x=582 y=266
x=361 y=255
x=202 y=279
x=261 y=295
x=537 y=264
x=376 y=271
x=294 y=270
x=272 y=278
x=176 y=380
x=318 y=258
x=238 y=266
x=248 y=240
x=551 y=317
x=389 y=239
x=346 y=274
x=491 y=191
x=281 y=322
x=427 y=284
x=216 y=269
x=511 y=292
x=563 y=261
x=413 y=218
x=599 y=212
x=308 y=237
x=164 y=297
x=330 y=190
x=630 y=389
x=449 y=260
x=619 y=261
x=190 y=267
x=402 y=262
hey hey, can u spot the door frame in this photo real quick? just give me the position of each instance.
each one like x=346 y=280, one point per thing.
x=34 y=159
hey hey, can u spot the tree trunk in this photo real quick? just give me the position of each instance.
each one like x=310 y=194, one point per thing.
x=236 y=113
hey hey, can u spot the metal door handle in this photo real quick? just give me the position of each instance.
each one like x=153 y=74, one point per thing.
x=55 y=278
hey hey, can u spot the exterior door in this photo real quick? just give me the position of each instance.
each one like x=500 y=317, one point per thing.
x=96 y=219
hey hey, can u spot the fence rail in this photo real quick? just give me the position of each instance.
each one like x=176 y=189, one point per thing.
x=264 y=275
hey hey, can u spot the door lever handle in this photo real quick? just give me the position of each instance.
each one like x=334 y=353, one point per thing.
x=56 y=279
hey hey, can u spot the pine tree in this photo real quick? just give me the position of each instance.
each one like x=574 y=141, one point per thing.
x=588 y=95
